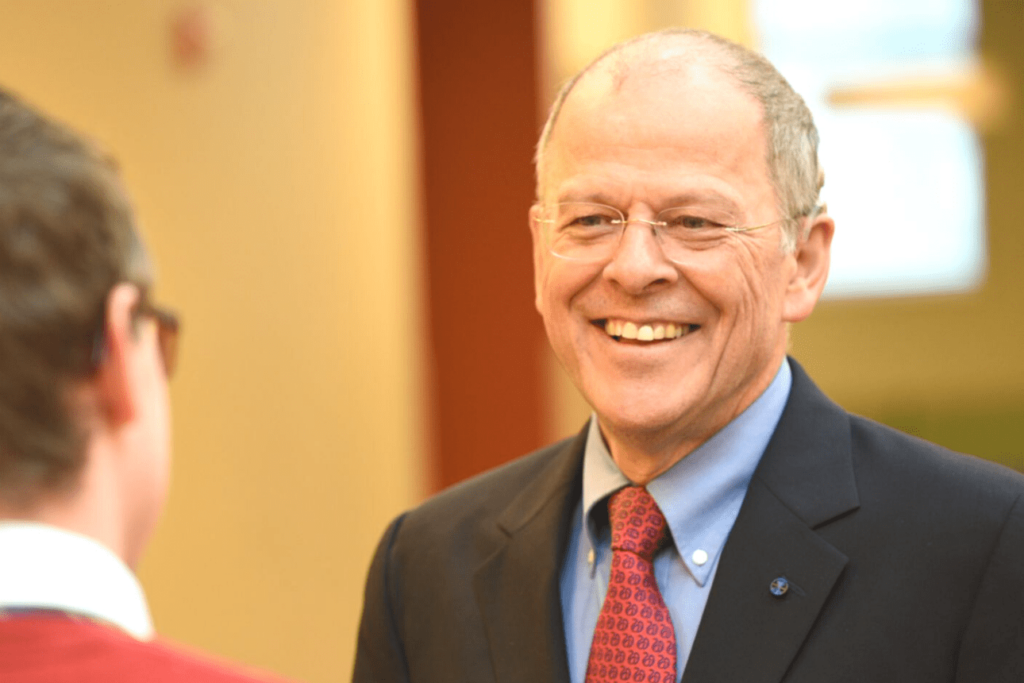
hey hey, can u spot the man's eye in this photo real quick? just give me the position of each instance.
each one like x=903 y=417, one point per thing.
x=690 y=222
x=590 y=221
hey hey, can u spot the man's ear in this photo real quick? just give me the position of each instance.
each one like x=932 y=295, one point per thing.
x=115 y=382
x=812 y=256
x=539 y=250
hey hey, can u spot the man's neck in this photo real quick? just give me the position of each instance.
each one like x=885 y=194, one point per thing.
x=90 y=506
x=643 y=460
x=644 y=454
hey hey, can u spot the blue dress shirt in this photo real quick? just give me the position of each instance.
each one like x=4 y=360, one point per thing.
x=700 y=497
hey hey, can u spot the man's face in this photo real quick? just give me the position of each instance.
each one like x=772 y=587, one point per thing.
x=653 y=141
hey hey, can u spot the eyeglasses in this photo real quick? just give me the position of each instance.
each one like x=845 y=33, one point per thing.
x=167 y=328
x=582 y=231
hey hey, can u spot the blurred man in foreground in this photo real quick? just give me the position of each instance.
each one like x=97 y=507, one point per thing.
x=718 y=519
x=84 y=418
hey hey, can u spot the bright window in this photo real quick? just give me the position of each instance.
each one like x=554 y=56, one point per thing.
x=905 y=185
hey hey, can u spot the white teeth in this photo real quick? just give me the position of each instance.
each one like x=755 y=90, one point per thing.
x=646 y=332
x=613 y=328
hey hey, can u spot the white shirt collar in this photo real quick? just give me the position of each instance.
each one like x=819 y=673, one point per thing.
x=51 y=568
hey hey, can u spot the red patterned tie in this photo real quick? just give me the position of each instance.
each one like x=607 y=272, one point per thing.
x=634 y=639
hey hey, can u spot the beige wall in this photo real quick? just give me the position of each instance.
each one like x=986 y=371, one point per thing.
x=275 y=186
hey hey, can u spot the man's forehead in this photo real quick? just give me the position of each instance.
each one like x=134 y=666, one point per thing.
x=657 y=87
x=661 y=123
x=657 y=84
x=660 y=94
x=661 y=62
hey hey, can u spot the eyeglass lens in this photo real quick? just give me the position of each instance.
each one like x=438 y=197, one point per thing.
x=587 y=231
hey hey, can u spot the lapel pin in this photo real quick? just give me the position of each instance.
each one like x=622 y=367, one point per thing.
x=779 y=587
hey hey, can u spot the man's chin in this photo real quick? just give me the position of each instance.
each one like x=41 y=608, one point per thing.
x=641 y=423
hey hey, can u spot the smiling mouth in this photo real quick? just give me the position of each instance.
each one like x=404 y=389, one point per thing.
x=643 y=332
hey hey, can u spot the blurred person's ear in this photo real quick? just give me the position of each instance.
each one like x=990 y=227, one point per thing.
x=117 y=385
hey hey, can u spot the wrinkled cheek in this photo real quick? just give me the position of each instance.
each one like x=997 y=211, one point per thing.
x=758 y=297
x=747 y=334
x=554 y=317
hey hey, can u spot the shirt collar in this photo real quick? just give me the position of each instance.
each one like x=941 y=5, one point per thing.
x=700 y=495
x=51 y=568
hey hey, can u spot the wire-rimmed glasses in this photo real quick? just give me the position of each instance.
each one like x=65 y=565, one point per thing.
x=585 y=231
x=168 y=326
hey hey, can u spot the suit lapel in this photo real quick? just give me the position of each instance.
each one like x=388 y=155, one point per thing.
x=804 y=481
x=517 y=587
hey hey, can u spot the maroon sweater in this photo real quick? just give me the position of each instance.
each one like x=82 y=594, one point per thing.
x=53 y=648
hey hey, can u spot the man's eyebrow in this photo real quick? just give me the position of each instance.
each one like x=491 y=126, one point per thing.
x=575 y=194
x=685 y=198
x=707 y=196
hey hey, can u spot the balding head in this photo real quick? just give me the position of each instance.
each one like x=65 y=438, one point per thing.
x=676 y=54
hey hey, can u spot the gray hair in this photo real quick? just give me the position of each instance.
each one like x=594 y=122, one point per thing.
x=791 y=137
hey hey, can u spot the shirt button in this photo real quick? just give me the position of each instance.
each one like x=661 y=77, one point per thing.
x=590 y=557
x=699 y=557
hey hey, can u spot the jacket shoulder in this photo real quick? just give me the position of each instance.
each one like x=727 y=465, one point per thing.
x=924 y=469
x=484 y=497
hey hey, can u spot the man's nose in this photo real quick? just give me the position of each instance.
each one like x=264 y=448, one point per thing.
x=639 y=262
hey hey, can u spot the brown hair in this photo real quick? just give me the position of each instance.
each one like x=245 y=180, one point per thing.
x=67 y=236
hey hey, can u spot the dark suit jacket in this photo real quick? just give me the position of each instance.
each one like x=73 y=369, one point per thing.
x=906 y=564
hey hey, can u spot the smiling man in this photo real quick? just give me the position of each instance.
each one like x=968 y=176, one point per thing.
x=718 y=519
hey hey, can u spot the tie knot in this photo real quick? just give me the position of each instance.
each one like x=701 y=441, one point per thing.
x=638 y=525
